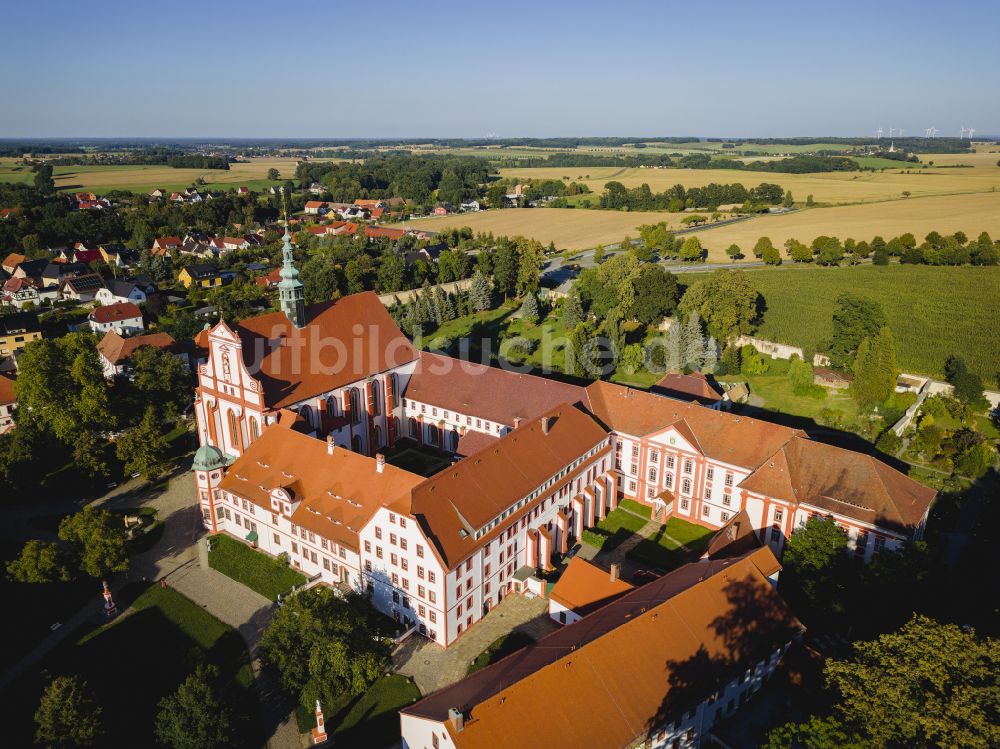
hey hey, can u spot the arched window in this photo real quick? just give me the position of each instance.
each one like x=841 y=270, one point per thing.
x=331 y=407
x=234 y=434
x=432 y=434
x=453 y=439
x=254 y=429
x=306 y=413
x=394 y=384
x=355 y=398
x=356 y=443
x=378 y=436
x=376 y=398
x=414 y=428
x=395 y=428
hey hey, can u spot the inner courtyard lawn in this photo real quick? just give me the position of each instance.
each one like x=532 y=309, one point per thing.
x=258 y=571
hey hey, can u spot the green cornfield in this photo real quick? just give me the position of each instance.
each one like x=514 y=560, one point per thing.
x=934 y=312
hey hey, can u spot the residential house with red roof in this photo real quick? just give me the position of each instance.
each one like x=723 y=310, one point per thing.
x=121 y=317
x=114 y=350
x=8 y=402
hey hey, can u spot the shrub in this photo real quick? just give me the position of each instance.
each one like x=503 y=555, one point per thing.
x=888 y=442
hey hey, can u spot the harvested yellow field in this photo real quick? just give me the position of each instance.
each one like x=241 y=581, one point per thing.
x=972 y=214
x=569 y=228
x=147 y=177
x=826 y=187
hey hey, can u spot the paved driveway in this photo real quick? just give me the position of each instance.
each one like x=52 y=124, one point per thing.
x=432 y=667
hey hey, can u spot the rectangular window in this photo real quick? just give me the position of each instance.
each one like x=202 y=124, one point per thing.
x=393 y=559
x=668 y=480
x=725 y=517
x=687 y=466
x=687 y=486
x=710 y=473
x=670 y=461
x=654 y=456
x=404 y=563
x=402 y=522
x=368 y=547
x=402 y=544
x=392 y=539
x=706 y=511
x=634 y=469
x=684 y=504
x=277 y=540
x=378 y=551
x=779 y=514
x=420 y=551
x=420 y=572
x=708 y=492
x=635 y=451
x=727 y=500
x=468 y=565
x=652 y=474
x=421 y=591
x=430 y=576
x=395 y=579
x=729 y=479
x=378 y=532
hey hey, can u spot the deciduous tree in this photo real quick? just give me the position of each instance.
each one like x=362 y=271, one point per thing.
x=194 y=717
x=67 y=715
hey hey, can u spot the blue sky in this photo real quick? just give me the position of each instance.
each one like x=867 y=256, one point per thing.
x=461 y=69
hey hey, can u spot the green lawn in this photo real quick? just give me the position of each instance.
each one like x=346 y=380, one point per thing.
x=637 y=508
x=776 y=392
x=415 y=460
x=256 y=570
x=500 y=648
x=663 y=549
x=135 y=661
x=609 y=533
x=933 y=311
x=369 y=720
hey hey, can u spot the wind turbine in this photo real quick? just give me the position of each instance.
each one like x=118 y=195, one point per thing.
x=927 y=132
x=890 y=131
x=934 y=132
x=961 y=131
x=900 y=132
x=971 y=131
x=878 y=134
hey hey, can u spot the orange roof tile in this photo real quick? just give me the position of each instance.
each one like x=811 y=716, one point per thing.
x=629 y=667
x=339 y=493
x=7 y=391
x=116 y=349
x=462 y=499
x=843 y=482
x=112 y=312
x=460 y=386
x=737 y=440
x=344 y=341
x=584 y=587
x=694 y=386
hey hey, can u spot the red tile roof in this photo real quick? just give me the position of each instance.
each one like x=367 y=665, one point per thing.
x=616 y=675
x=694 y=386
x=295 y=364
x=737 y=440
x=116 y=349
x=339 y=492
x=462 y=499
x=844 y=482
x=13 y=260
x=584 y=587
x=115 y=312
x=460 y=386
x=7 y=391
x=376 y=232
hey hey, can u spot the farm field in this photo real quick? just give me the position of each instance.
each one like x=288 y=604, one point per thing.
x=825 y=187
x=934 y=312
x=569 y=228
x=972 y=214
x=143 y=178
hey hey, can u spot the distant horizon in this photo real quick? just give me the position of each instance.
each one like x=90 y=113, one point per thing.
x=391 y=138
x=460 y=71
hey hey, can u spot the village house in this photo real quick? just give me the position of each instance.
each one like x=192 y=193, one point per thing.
x=114 y=350
x=8 y=402
x=202 y=274
x=443 y=209
x=121 y=291
x=55 y=273
x=31 y=269
x=13 y=260
x=692 y=388
x=119 y=256
x=18 y=292
x=17 y=329
x=163 y=245
x=658 y=667
x=122 y=317
x=82 y=288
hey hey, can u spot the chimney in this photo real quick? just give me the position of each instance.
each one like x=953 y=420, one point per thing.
x=546 y=424
x=329 y=445
x=615 y=570
x=457 y=719
x=379 y=462
x=517 y=421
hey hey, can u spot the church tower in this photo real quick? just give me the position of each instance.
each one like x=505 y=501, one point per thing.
x=290 y=290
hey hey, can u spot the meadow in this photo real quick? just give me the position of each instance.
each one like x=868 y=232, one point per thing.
x=144 y=178
x=934 y=312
